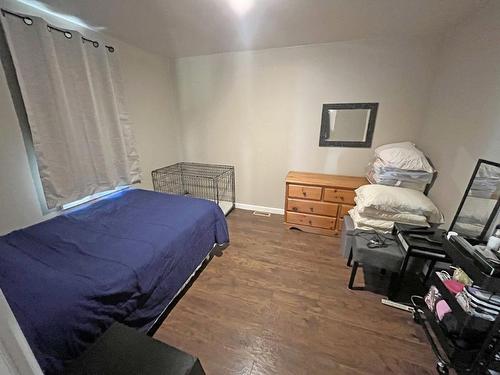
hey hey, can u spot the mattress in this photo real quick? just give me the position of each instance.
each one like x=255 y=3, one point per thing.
x=122 y=259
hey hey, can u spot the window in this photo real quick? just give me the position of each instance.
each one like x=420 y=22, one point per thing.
x=93 y=197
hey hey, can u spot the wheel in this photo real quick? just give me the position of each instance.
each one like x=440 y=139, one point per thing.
x=442 y=368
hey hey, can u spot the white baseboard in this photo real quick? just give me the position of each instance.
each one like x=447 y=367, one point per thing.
x=251 y=207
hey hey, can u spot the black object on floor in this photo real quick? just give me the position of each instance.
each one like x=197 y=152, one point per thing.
x=125 y=351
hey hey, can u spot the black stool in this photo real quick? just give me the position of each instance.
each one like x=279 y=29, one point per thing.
x=124 y=351
x=388 y=258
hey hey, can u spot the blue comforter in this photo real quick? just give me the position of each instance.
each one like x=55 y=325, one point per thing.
x=120 y=259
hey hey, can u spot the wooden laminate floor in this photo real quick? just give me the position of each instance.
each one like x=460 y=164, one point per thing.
x=276 y=302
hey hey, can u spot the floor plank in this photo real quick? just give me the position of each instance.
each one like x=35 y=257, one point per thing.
x=276 y=302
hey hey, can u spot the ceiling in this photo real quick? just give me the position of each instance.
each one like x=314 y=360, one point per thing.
x=178 y=28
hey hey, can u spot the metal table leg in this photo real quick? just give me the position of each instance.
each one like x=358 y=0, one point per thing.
x=349 y=259
x=353 y=274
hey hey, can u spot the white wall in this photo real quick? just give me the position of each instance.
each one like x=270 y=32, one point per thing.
x=463 y=124
x=19 y=203
x=148 y=81
x=261 y=110
x=150 y=86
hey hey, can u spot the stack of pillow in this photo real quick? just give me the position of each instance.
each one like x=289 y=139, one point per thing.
x=486 y=183
x=400 y=164
x=378 y=207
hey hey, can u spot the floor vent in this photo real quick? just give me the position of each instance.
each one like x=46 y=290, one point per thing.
x=260 y=213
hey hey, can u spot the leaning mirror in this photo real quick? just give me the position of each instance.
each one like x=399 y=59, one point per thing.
x=477 y=214
x=348 y=124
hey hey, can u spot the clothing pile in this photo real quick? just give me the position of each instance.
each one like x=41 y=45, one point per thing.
x=400 y=164
x=378 y=207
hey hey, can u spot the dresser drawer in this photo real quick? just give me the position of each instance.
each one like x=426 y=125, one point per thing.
x=311 y=207
x=306 y=192
x=344 y=210
x=339 y=196
x=311 y=220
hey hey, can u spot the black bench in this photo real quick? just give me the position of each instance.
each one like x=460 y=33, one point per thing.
x=124 y=351
x=388 y=258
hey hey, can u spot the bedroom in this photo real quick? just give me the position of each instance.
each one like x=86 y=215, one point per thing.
x=245 y=87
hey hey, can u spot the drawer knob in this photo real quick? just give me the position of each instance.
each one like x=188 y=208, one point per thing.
x=304 y=193
x=310 y=222
x=312 y=209
x=294 y=209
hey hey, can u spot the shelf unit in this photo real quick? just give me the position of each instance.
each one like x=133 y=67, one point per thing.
x=464 y=319
x=454 y=356
x=476 y=359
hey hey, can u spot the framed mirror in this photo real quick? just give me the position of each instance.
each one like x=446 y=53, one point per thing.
x=348 y=124
x=477 y=213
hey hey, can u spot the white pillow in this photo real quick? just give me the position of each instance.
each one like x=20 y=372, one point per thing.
x=398 y=200
x=366 y=223
x=401 y=217
x=403 y=155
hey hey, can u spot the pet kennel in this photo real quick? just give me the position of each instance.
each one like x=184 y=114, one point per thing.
x=207 y=181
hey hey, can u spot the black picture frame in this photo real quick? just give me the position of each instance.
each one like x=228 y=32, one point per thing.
x=494 y=212
x=325 y=125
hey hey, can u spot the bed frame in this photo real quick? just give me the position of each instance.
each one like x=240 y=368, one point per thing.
x=215 y=251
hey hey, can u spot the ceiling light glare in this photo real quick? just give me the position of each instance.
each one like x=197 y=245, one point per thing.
x=241 y=7
x=36 y=4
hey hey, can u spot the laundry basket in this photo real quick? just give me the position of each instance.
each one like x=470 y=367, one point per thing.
x=207 y=181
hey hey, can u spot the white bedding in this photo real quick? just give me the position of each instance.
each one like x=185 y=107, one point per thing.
x=401 y=217
x=366 y=223
x=403 y=156
x=399 y=201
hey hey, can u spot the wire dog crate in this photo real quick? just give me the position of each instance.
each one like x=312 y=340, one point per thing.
x=207 y=181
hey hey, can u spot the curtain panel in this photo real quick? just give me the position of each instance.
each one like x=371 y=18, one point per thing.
x=74 y=98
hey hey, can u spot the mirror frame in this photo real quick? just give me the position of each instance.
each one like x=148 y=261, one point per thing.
x=493 y=214
x=325 y=125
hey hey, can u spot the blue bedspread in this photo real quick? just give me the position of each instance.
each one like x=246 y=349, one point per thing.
x=120 y=259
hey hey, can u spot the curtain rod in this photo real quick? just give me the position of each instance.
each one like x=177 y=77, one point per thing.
x=67 y=33
x=27 y=20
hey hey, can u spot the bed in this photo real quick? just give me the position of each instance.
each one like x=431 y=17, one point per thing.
x=123 y=258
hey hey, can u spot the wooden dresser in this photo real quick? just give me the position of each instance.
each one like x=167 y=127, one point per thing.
x=316 y=202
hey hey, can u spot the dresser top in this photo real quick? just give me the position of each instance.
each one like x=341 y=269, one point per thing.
x=330 y=180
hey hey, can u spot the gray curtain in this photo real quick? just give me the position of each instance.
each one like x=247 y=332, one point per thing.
x=73 y=94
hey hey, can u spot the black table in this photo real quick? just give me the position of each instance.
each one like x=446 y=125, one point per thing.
x=413 y=246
